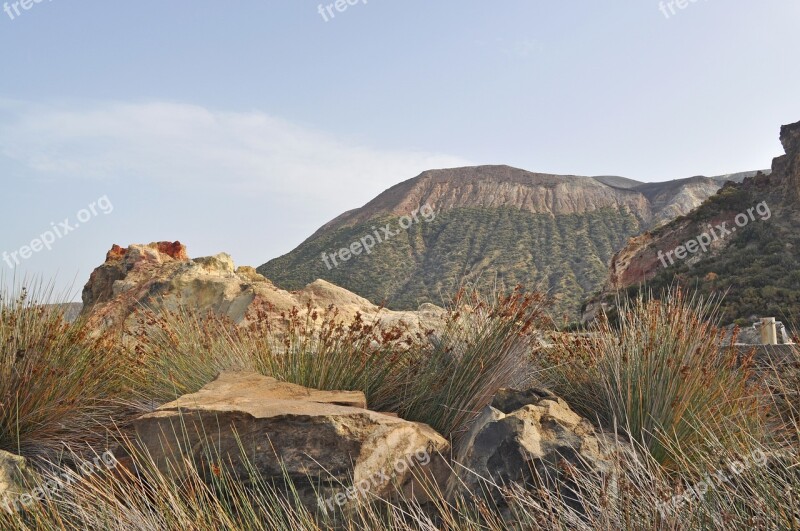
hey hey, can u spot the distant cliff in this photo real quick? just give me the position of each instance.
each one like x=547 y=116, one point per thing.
x=756 y=262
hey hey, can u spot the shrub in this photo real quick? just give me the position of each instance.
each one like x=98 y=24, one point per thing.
x=482 y=347
x=58 y=385
x=178 y=352
x=660 y=375
x=330 y=354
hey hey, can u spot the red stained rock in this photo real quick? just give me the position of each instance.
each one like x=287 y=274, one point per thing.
x=174 y=250
x=116 y=253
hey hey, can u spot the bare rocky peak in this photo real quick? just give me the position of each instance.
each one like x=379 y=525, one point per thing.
x=538 y=193
x=671 y=199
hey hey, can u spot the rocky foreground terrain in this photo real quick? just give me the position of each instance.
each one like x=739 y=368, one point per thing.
x=431 y=436
x=289 y=430
x=339 y=454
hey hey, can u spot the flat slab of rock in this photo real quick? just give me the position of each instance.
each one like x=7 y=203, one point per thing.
x=258 y=394
x=325 y=441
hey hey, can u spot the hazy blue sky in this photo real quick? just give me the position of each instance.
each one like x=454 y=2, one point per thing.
x=242 y=127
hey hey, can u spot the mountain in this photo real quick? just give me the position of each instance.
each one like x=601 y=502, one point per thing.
x=496 y=225
x=753 y=252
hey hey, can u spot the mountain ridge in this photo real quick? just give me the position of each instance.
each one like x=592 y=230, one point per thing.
x=382 y=203
x=494 y=223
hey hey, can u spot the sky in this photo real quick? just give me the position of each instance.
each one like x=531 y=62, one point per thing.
x=244 y=126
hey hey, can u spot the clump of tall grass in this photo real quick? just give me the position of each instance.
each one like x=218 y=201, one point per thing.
x=782 y=379
x=661 y=375
x=176 y=352
x=179 y=351
x=321 y=351
x=139 y=496
x=483 y=346
x=441 y=379
x=58 y=385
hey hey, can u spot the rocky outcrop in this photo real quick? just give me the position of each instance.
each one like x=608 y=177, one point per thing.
x=789 y=164
x=529 y=438
x=337 y=453
x=162 y=276
x=719 y=265
x=639 y=261
x=333 y=449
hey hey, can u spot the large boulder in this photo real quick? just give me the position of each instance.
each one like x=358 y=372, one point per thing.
x=333 y=449
x=530 y=439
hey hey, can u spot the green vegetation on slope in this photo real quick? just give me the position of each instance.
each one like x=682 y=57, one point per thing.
x=566 y=255
x=758 y=270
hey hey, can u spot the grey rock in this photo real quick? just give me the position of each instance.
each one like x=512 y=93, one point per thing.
x=529 y=438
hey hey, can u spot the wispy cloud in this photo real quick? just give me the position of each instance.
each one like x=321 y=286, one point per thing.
x=187 y=145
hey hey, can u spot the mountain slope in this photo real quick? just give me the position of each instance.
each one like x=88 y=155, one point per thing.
x=755 y=261
x=499 y=225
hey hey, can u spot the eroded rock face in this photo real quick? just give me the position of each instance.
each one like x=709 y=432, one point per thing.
x=161 y=275
x=640 y=260
x=527 y=438
x=326 y=442
x=504 y=186
x=790 y=163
